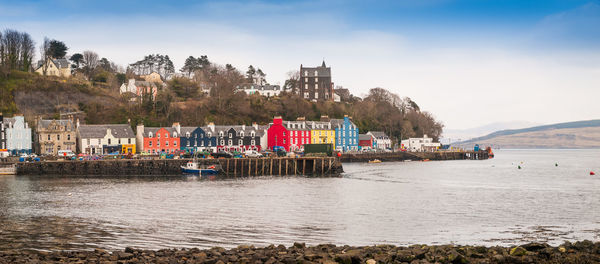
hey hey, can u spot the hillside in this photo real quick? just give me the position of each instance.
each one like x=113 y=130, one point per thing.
x=580 y=134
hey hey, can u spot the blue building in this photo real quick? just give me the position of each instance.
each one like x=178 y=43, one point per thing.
x=346 y=134
x=194 y=139
x=18 y=135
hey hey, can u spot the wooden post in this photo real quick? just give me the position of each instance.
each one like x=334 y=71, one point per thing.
x=303 y=166
x=286 y=165
x=295 y=166
x=262 y=168
x=249 y=167
x=227 y=166
x=235 y=167
x=322 y=166
x=256 y=168
x=279 y=163
x=314 y=165
x=271 y=167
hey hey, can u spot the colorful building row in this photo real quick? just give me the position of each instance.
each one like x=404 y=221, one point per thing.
x=293 y=135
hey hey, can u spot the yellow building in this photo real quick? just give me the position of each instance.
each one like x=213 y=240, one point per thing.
x=322 y=133
x=54 y=67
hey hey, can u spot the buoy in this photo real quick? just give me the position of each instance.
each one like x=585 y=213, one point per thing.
x=519 y=167
x=555 y=164
x=592 y=173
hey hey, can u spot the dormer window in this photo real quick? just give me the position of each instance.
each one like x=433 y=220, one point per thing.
x=316 y=73
x=252 y=134
x=187 y=134
x=220 y=133
x=174 y=134
x=166 y=135
x=241 y=133
x=158 y=135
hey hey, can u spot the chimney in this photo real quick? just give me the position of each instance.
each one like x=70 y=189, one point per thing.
x=277 y=120
x=255 y=125
x=177 y=127
x=211 y=125
x=77 y=123
x=300 y=118
x=324 y=118
x=128 y=120
x=244 y=127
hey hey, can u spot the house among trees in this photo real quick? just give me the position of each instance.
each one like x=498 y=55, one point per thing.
x=264 y=90
x=315 y=83
x=54 y=67
x=139 y=88
x=105 y=139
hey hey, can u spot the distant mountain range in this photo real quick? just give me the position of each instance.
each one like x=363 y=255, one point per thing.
x=579 y=134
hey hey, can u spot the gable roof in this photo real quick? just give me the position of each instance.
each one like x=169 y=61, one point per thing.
x=147 y=130
x=364 y=137
x=378 y=134
x=99 y=131
x=322 y=71
x=62 y=122
x=61 y=63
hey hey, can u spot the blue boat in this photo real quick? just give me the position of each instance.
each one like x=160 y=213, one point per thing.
x=192 y=168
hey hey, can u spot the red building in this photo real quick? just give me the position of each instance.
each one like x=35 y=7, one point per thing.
x=292 y=135
x=365 y=141
x=155 y=140
x=278 y=135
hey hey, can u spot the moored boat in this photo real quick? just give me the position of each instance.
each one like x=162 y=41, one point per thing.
x=375 y=161
x=8 y=169
x=193 y=168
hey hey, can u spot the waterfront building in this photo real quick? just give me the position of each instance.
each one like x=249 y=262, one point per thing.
x=157 y=140
x=54 y=67
x=315 y=83
x=321 y=133
x=278 y=135
x=291 y=135
x=2 y=134
x=420 y=144
x=266 y=90
x=346 y=134
x=382 y=141
x=365 y=141
x=236 y=138
x=195 y=139
x=17 y=135
x=106 y=139
x=54 y=135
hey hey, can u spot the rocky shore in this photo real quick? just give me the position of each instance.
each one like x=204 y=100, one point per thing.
x=579 y=252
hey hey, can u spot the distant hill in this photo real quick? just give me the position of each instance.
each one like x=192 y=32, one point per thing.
x=467 y=134
x=579 y=134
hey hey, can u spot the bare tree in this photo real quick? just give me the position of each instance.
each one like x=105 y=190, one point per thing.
x=90 y=62
x=45 y=54
x=27 y=52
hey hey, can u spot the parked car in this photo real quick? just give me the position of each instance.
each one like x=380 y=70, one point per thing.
x=252 y=154
x=66 y=153
x=222 y=154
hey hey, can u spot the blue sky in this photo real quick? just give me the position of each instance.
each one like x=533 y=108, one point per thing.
x=520 y=58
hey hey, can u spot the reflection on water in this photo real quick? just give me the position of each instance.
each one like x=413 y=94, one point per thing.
x=465 y=202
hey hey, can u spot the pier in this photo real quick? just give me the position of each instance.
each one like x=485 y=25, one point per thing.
x=403 y=156
x=242 y=167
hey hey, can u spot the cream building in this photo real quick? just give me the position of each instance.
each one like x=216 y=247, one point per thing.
x=105 y=139
x=153 y=77
x=55 y=67
x=54 y=135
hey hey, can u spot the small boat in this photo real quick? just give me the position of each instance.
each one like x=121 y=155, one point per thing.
x=375 y=161
x=192 y=168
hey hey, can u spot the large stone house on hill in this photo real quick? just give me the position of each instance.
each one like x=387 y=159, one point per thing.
x=54 y=67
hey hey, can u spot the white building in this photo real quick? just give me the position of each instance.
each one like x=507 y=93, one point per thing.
x=380 y=140
x=420 y=144
x=264 y=90
x=105 y=139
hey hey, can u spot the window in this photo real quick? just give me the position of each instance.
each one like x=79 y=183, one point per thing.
x=58 y=137
x=284 y=141
x=222 y=142
x=187 y=134
x=150 y=135
x=305 y=79
x=316 y=79
x=158 y=135
x=305 y=73
x=174 y=134
x=88 y=141
x=316 y=95
x=316 y=86
x=306 y=95
x=119 y=141
x=129 y=141
x=230 y=135
x=230 y=142
x=252 y=134
x=174 y=143
x=157 y=143
x=316 y=73
x=109 y=141
x=209 y=134
x=188 y=143
x=166 y=143
x=167 y=135
x=150 y=143
x=220 y=133
x=241 y=133
x=252 y=142
x=284 y=133
x=240 y=142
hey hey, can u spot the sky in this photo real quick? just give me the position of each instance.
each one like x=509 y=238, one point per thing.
x=468 y=62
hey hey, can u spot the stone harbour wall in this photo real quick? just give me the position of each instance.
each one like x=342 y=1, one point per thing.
x=228 y=167
x=402 y=156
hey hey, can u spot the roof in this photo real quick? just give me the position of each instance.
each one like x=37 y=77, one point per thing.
x=364 y=137
x=287 y=123
x=377 y=134
x=319 y=125
x=155 y=129
x=322 y=71
x=99 y=131
x=265 y=87
x=61 y=63
x=62 y=122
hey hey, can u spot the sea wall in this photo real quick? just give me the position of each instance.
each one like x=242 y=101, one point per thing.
x=402 y=156
x=228 y=167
